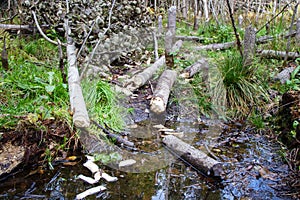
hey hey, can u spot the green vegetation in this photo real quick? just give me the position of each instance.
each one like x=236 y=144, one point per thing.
x=102 y=105
x=31 y=88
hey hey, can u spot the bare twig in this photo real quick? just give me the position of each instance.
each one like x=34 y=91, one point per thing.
x=268 y=22
x=85 y=39
x=100 y=39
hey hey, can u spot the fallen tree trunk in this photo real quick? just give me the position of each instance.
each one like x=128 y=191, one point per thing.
x=80 y=116
x=227 y=45
x=161 y=94
x=78 y=107
x=141 y=78
x=190 y=38
x=13 y=27
x=277 y=54
x=195 y=68
x=193 y=156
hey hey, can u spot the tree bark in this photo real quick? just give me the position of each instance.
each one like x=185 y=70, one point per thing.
x=161 y=94
x=195 y=68
x=278 y=54
x=80 y=116
x=298 y=32
x=249 y=46
x=227 y=45
x=193 y=156
x=141 y=78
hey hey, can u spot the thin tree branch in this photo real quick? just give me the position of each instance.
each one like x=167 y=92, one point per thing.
x=41 y=31
x=238 y=42
x=100 y=39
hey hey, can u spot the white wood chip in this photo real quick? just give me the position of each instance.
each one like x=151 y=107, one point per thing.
x=126 y=163
x=109 y=178
x=91 y=166
x=90 y=191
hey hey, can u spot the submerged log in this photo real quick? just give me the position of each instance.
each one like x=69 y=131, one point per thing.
x=161 y=94
x=195 y=157
x=278 y=54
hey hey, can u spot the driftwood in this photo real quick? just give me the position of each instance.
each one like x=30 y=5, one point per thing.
x=161 y=94
x=278 y=54
x=190 y=71
x=195 y=157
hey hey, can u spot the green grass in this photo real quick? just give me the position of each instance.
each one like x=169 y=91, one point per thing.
x=28 y=88
x=102 y=104
x=243 y=86
x=32 y=88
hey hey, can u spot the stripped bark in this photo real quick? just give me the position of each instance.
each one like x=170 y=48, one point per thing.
x=193 y=156
x=13 y=27
x=170 y=37
x=278 y=54
x=161 y=94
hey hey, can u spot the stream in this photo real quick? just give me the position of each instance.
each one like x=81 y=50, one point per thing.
x=254 y=170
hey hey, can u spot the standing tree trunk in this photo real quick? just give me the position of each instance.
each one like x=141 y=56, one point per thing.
x=170 y=37
x=249 y=46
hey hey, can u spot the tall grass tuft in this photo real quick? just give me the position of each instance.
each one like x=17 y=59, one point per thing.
x=102 y=104
x=242 y=85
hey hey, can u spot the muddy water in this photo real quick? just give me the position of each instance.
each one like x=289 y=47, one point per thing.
x=254 y=170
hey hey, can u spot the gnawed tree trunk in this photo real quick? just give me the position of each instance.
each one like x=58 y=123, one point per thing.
x=78 y=107
x=193 y=156
x=12 y=27
x=217 y=46
x=80 y=116
x=278 y=54
x=161 y=94
x=170 y=37
x=249 y=46
x=195 y=68
x=141 y=78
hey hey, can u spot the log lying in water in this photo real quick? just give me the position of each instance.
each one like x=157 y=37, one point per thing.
x=195 y=157
x=161 y=94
